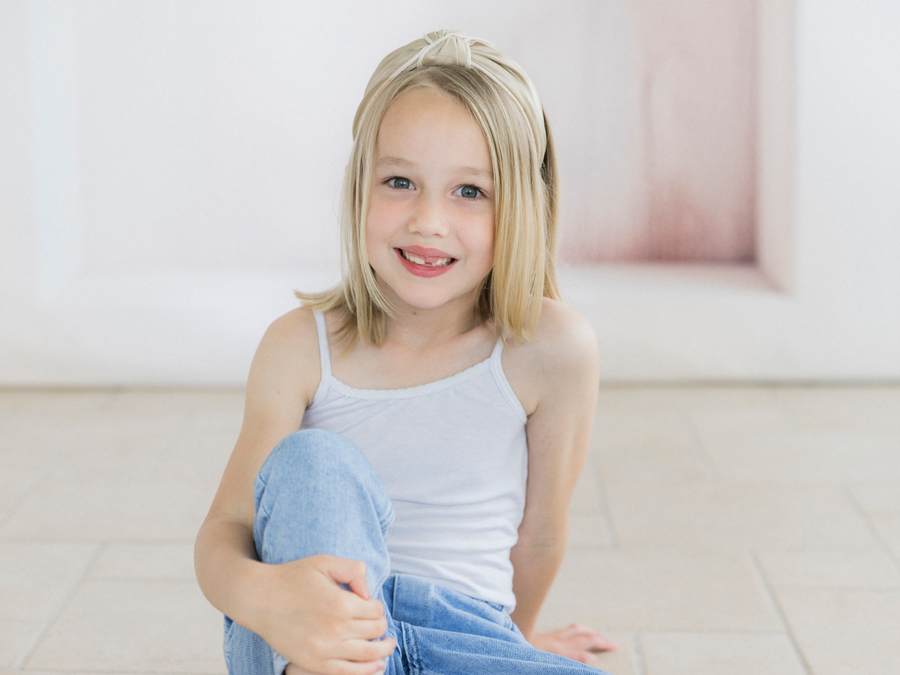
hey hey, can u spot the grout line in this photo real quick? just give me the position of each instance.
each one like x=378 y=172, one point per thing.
x=873 y=529
x=604 y=508
x=28 y=653
x=637 y=652
x=179 y=430
x=699 y=449
x=773 y=599
x=42 y=475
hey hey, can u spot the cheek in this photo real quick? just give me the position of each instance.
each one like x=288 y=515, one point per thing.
x=376 y=227
x=382 y=219
x=481 y=242
x=488 y=234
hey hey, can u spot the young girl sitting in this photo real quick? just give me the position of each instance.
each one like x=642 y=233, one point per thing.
x=443 y=396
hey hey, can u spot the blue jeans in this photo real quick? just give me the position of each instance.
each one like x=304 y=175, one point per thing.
x=316 y=493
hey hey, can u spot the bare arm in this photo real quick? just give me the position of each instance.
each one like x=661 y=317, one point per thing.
x=298 y=607
x=565 y=368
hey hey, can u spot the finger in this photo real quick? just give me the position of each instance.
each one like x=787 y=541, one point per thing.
x=356 y=608
x=601 y=643
x=596 y=642
x=367 y=629
x=350 y=572
x=577 y=629
x=590 y=658
x=366 y=651
x=341 y=667
x=590 y=639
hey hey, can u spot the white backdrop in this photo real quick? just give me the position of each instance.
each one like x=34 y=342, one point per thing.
x=169 y=172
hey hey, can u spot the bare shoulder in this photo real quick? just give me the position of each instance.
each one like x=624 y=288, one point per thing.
x=564 y=335
x=283 y=379
x=286 y=363
x=563 y=355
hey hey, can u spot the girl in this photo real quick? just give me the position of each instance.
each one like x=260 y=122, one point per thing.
x=444 y=400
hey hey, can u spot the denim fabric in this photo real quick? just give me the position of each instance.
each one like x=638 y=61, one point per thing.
x=316 y=493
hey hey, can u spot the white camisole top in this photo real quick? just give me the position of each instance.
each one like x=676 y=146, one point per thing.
x=453 y=458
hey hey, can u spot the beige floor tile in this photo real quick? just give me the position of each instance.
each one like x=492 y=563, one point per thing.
x=163 y=562
x=659 y=399
x=178 y=403
x=842 y=569
x=35 y=578
x=627 y=400
x=622 y=661
x=8 y=397
x=805 y=456
x=587 y=498
x=878 y=498
x=660 y=589
x=881 y=503
x=30 y=671
x=736 y=422
x=13 y=486
x=60 y=404
x=647 y=449
x=102 y=509
x=221 y=411
x=28 y=452
x=873 y=407
x=197 y=452
x=888 y=528
x=118 y=453
x=588 y=532
x=736 y=516
x=588 y=524
x=845 y=632
x=96 y=443
x=16 y=640
x=27 y=446
x=134 y=626
x=719 y=654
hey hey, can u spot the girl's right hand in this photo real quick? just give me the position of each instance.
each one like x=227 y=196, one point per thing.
x=320 y=627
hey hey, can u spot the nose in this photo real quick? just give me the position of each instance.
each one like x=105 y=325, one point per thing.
x=429 y=218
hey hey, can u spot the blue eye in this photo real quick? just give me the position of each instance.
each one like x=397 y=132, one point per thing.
x=400 y=183
x=468 y=192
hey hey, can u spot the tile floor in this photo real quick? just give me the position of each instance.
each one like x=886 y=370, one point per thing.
x=716 y=530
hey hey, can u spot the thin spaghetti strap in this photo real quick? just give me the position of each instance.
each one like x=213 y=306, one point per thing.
x=324 y=354
x=503 y=383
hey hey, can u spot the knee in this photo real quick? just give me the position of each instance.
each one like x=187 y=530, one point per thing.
x=311 y=452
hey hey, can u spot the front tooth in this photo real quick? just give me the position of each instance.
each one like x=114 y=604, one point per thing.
x=440 y=262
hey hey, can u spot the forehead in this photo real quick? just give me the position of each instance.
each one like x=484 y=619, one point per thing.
x=425 y=123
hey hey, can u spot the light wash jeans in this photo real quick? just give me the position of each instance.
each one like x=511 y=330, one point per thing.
x=316 y=493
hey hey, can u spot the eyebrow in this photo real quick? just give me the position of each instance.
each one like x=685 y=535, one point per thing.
x=399 y=161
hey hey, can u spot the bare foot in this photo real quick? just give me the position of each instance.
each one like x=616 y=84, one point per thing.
x=575 y=642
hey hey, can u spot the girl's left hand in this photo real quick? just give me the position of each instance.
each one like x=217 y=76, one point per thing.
x=575 y=642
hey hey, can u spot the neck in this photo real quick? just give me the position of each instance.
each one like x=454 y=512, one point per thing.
x=423 y=328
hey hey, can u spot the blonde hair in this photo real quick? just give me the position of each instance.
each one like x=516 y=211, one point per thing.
x=525 y=210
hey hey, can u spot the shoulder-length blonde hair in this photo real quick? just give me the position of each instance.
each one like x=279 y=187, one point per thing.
x=525 y=211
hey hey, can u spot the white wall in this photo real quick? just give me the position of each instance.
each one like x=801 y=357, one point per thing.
x=825 y=303
x=169 y=171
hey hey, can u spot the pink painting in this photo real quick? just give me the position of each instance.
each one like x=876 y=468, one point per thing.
x=690 y=164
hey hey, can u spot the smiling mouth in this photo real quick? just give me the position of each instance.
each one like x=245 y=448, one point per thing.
x=427 y=261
